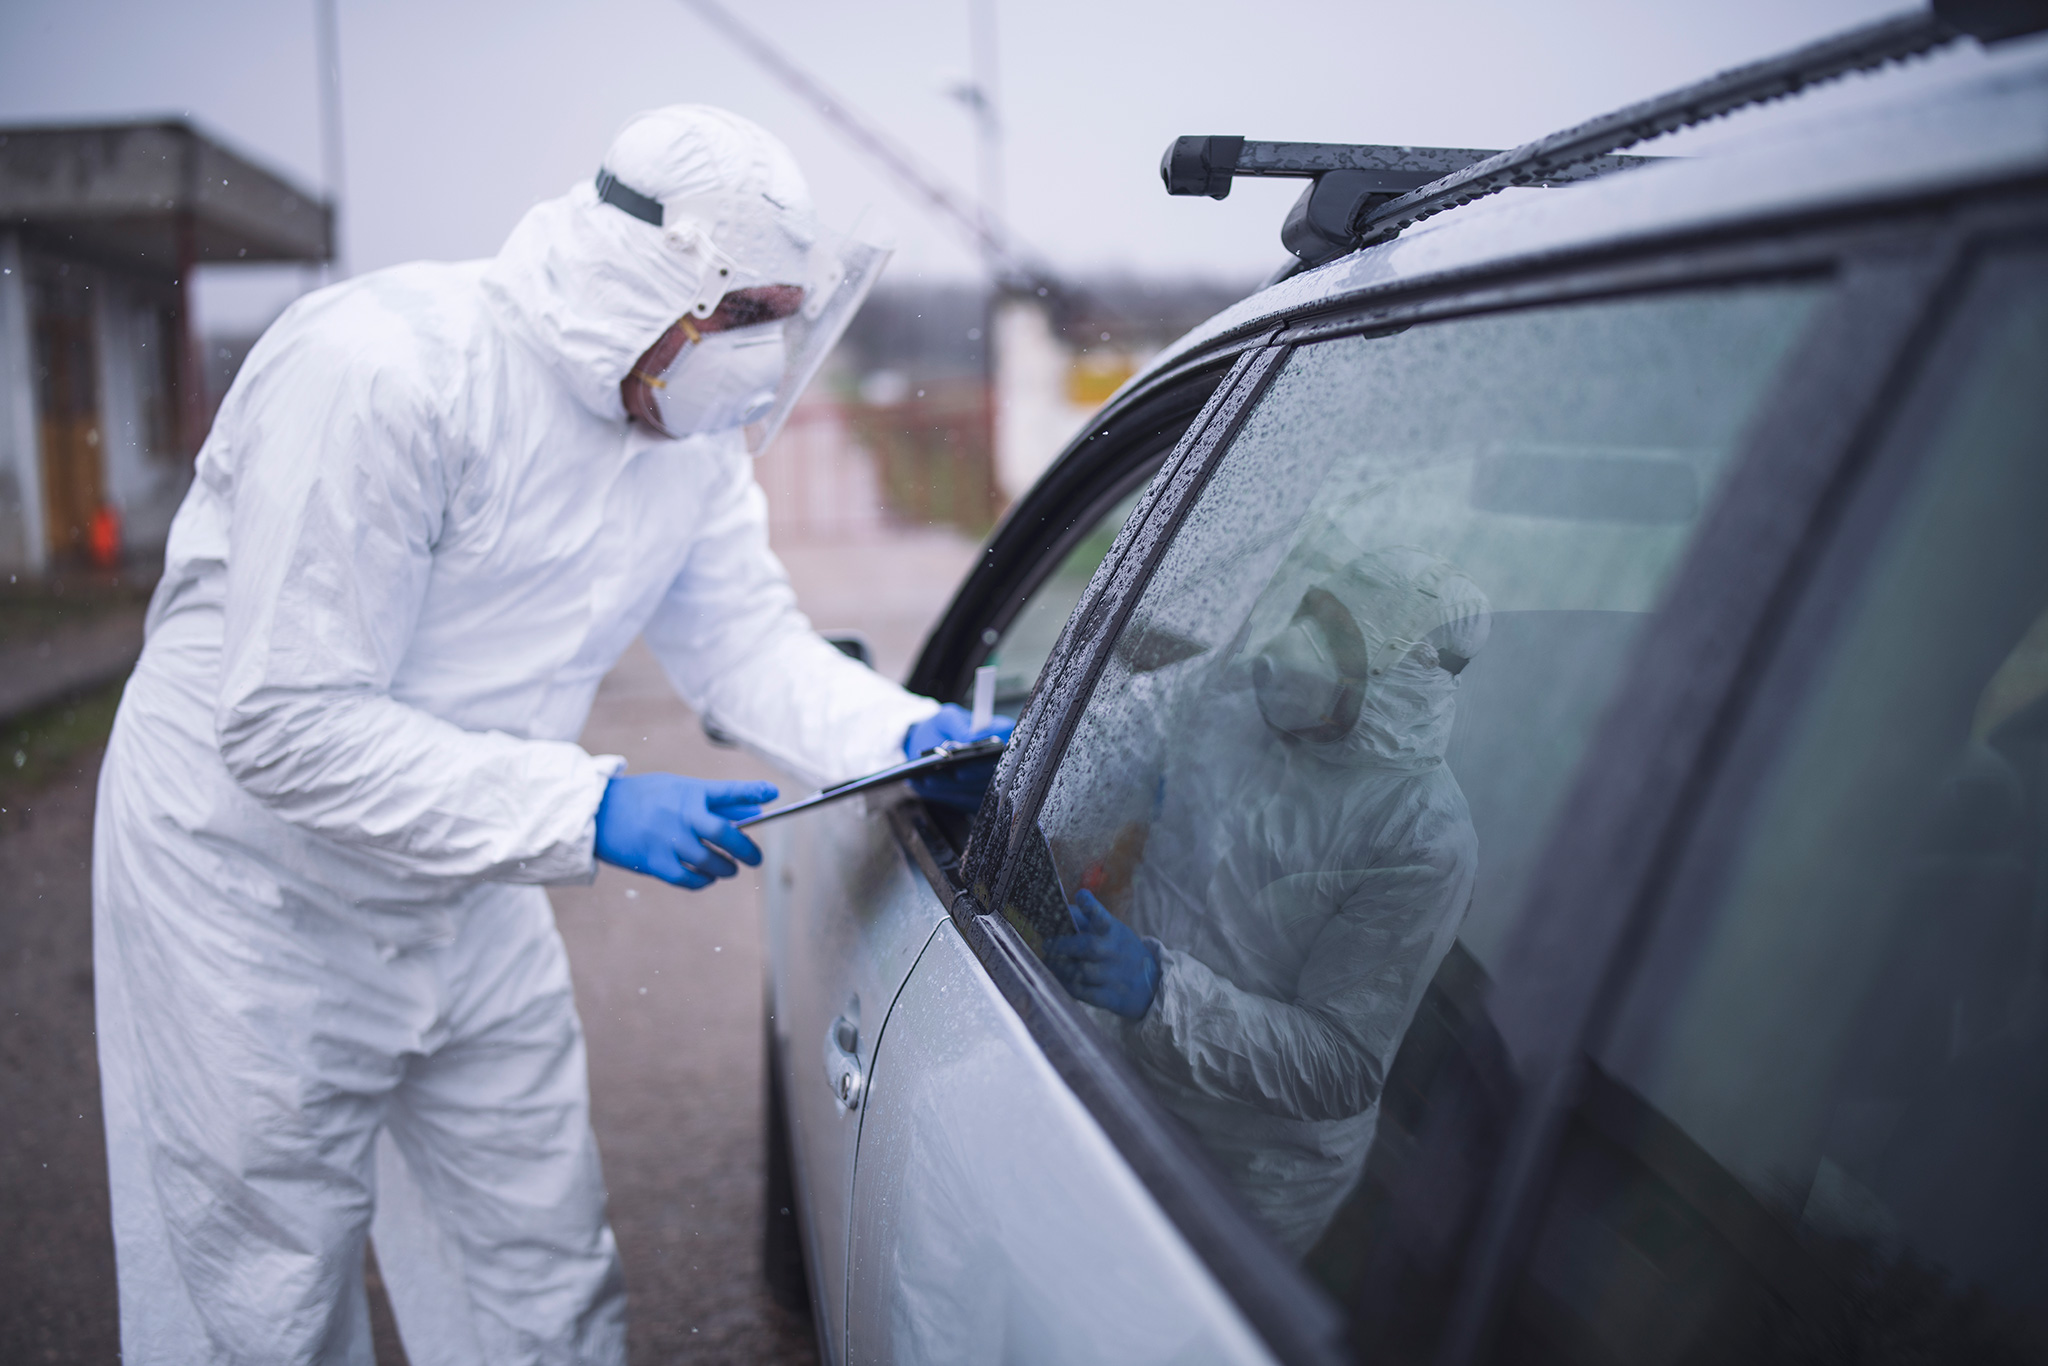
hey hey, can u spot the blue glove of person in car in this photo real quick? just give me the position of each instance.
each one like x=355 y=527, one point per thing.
x=960 y=787
x=1104 y=962
x=678 y=829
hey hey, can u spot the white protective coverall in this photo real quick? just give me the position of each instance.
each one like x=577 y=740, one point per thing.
x=1300 y=895
x=421 y=531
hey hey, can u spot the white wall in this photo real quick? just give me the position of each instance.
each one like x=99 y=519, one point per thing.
x=22 y=546
x=1034 y=419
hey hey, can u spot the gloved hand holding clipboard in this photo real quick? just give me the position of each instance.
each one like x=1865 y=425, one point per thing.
x=941 y=757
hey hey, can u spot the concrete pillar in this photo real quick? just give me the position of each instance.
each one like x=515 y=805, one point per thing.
x=126 y=477
x=24 y=549
x=192 y=417
x=144 y=479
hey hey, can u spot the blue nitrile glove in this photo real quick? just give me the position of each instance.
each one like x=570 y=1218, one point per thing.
x=678 y=829
x=956 y=787
x=1104 y=962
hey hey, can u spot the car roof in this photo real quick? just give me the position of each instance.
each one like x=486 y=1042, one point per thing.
x=1944 y=127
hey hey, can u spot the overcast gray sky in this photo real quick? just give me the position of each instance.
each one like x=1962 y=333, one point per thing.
x=459 y=114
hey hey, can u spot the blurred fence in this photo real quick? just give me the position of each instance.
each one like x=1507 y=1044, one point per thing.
x=853 y=471
x=820 y=482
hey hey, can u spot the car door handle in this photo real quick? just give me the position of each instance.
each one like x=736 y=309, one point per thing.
x=842 y=1063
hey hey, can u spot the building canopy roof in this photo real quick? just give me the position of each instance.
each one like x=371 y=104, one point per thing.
x=119 y=192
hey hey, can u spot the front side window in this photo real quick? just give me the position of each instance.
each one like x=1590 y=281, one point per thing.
x=1817 y=1130
x=1018 y=656
x=1315 y=775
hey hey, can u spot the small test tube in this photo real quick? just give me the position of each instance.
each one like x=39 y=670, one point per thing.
x=984 y=697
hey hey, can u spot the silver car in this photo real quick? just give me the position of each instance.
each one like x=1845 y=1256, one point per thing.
x=1527 y=833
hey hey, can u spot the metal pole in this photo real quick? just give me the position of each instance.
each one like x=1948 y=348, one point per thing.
x=327 y=47
x=982 y=59
x=191 y=362
x=981 y=37
x=192 y=419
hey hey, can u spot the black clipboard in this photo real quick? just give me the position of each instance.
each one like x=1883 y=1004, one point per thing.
x=949 y=754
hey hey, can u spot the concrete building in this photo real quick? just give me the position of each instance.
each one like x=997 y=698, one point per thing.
x=102 y=391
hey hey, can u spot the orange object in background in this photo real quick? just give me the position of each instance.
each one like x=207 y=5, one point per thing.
x=103 y=537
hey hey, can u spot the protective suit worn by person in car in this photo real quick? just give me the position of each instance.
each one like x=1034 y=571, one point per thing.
x=1309 y=867
x=330 y=989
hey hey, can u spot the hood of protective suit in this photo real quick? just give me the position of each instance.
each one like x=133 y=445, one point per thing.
x=592 y=286
x=1364 y=669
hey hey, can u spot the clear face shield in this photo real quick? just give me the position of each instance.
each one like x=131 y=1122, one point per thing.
x=749 y=375
x=843 y=271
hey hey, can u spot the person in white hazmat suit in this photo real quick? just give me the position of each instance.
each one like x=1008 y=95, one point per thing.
x=1308 y=868
x=331 y=997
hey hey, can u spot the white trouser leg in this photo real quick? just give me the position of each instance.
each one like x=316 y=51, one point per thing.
x=423 y=1268
x=252 y=1049
x=160 y=1323
x=239 y=1118
x=490 y=1226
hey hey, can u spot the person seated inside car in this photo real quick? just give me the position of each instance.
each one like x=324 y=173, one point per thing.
x=1270 y=931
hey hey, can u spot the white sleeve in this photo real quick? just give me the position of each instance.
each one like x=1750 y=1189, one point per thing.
x=733 y=642
x=340 y=483
x=1324 y=1053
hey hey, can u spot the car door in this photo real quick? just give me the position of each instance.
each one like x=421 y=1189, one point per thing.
x=1811 y=1118
x=847 y=912
x=942 y=1269
x=845 y=919
x=1505 y=490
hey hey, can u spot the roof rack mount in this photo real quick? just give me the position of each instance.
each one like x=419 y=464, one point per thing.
x=1361 y=194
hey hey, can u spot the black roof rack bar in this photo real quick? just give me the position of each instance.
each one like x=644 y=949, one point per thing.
x=1859 y=49
x=1206 y=165
x=1309 y=159
x=1348 y=179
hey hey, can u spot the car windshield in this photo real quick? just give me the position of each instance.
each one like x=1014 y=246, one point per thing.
x=1328 y=745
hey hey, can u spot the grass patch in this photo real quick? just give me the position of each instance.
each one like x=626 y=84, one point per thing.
x=38 y=747
x=41 y=607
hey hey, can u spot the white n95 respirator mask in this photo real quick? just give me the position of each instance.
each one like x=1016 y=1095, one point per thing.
x=1310 y=678
x=719 y=381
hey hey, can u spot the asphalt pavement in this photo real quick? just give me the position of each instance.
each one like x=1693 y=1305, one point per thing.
x=668 y=982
